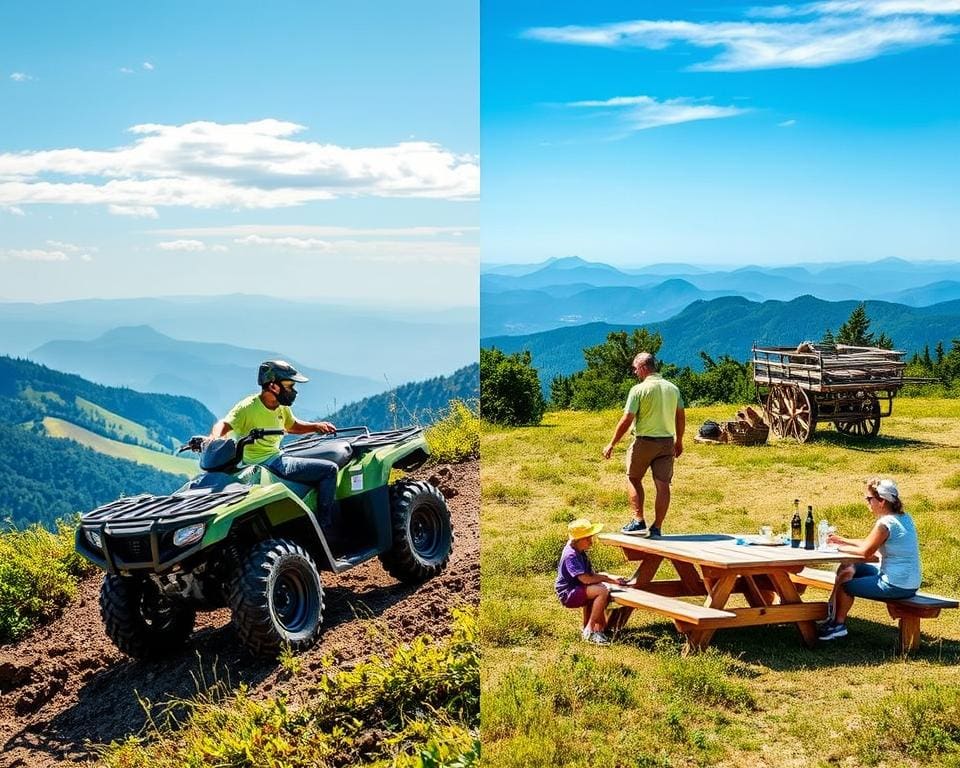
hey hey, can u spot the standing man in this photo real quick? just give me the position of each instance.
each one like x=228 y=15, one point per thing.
x=655 y=409
x=270 y=409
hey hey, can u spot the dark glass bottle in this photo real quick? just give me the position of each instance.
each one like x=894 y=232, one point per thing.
x=808 y=532
x=796 y=529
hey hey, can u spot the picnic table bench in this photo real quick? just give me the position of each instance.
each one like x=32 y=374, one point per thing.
x=908 y=612
x=713 y=567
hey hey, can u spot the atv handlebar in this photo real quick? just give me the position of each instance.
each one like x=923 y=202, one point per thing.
x=194 y=444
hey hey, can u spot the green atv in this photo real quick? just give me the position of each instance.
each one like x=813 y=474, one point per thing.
x=238 y=536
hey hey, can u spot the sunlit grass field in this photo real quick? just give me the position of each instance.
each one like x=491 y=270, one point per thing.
x=757 y=697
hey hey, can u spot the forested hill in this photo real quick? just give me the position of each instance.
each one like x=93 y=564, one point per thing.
x=418 y=402
x=29 y=392
x=46 y=477
x=730 y=326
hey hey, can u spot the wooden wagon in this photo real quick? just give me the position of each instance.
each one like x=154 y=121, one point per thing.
x=852 y=387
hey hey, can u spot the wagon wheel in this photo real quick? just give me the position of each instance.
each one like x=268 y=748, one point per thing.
x=791 y=413
x=869 y=424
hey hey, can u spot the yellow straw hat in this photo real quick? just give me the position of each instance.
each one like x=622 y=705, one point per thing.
x=581 y=528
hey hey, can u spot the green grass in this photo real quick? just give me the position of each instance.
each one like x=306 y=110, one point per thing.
x=39 y=572
x=162 y=461
x=757 y=696
x=119 y=425
x=417 y=706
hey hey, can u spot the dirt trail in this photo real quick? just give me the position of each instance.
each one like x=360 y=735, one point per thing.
x=66 y=686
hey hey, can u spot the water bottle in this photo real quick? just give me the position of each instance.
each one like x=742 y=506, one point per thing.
x=822 y=530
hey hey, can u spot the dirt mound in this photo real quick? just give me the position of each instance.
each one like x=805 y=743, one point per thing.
x=66 y=687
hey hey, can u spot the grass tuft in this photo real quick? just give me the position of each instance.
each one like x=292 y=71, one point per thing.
x=456 y=435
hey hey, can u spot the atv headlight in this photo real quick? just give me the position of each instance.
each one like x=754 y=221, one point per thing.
x=94 y=538
x=191 y=534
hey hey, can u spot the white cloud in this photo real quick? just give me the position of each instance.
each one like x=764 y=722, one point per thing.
x=13 y=209
x=71 y=247
x=313 y=230
x=182 y=245
x=247 y=165
x=32 y=254
x=21 y=77
x=392 y=251
x=138 y=211
x=787 y=124
x=870 y=8
x=643 y=112
x=752 y=45
x=126 y=70
x=86 y=257
x=148 y=66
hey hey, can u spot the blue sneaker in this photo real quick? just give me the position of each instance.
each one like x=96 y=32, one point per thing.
x=832 y=630
x=654 y=532
x=635 y=528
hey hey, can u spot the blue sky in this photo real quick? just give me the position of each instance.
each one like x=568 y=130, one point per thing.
x=321 y=150
x=719 y=132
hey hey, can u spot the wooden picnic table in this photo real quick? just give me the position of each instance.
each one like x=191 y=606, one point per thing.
x=714 y=566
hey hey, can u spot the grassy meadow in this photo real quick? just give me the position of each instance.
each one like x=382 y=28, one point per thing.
x=757 y=697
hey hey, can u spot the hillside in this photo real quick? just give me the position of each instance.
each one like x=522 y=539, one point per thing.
x=731 y=325
x=216 y=374
x=416 y=403
x=120 y=442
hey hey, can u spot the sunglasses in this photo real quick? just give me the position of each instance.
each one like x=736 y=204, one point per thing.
x=287 y=385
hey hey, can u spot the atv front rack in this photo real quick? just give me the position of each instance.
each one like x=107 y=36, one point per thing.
x=144 y=508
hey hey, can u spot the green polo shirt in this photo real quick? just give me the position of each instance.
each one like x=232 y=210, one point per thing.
x=654 y=403
x=251 y=413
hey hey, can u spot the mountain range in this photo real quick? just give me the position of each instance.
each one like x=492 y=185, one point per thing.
x=218 y=375
x=398 y=345
x=521 y=299
x=731 y=325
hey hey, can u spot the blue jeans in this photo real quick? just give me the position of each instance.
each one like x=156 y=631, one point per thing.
x=320 y=473
x=866 y=582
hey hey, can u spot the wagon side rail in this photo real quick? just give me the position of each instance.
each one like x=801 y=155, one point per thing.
x=829 y=368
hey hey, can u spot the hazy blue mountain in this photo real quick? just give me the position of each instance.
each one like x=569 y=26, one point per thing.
x=419 y=402
x=731 y=325
x=521 y=312
x=925 y=295
x=565 y=272
x=216 y=374
x=401 y=345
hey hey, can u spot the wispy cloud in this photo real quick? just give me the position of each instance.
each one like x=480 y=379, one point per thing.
x=247 y=165
x=392 y=251
x=787 y=124
x=640 y=113
x=195 y=246
x=148 y=66
x=21 y=77
x=313 y=230
x=71 y=247
x=13 y=209
x=841 y=31
x=32 y=254
x=126 y=70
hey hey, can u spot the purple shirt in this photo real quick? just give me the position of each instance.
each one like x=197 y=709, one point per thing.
x=572 y=565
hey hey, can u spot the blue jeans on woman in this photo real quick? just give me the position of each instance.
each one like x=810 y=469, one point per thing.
x=866 y=582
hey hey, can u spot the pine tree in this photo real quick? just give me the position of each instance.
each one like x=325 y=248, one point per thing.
x=927 y=362
x=856 y=330
x=828 y=338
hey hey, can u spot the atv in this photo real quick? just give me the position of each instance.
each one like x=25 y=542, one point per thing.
x=239 y=536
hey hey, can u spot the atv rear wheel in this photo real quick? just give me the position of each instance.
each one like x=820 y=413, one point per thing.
x=422 y=532
x=277 y=598
x=140 y=621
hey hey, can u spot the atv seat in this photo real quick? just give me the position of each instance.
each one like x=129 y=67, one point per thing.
x=337 y=451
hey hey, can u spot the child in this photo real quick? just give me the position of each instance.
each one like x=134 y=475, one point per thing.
x=579 y=587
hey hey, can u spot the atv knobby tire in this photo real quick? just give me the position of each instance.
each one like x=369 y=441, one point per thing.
x=422 y=532
x=277 y=598
x=140 y=621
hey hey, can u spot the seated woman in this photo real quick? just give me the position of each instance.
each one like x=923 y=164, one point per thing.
x=898 y=575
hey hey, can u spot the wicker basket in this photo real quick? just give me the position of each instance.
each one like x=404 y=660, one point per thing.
x=741 y=433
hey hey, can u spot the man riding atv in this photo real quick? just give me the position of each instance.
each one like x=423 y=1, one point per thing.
x=270 y=410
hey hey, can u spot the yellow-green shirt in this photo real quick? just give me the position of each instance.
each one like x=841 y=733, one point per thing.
x=654 y=403
x=251 y=413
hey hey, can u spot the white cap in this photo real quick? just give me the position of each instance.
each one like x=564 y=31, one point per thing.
x=887 y=489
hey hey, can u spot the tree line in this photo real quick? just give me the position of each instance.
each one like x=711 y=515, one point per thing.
x=511 y=394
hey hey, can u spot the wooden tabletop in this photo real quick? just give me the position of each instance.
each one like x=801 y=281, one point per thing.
x=720 y=550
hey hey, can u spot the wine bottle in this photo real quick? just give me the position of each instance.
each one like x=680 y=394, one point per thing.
x=808 y=532
x=796 y=529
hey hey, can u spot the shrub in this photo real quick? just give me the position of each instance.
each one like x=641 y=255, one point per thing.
x=39 y=571
x=456 y=435
x=510 y=389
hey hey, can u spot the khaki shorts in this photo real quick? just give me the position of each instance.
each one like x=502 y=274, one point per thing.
x=655 y=453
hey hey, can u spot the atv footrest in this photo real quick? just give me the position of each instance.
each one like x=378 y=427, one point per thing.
x=342 y=563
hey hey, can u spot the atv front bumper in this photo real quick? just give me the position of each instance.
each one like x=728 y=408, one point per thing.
x=137 y=534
